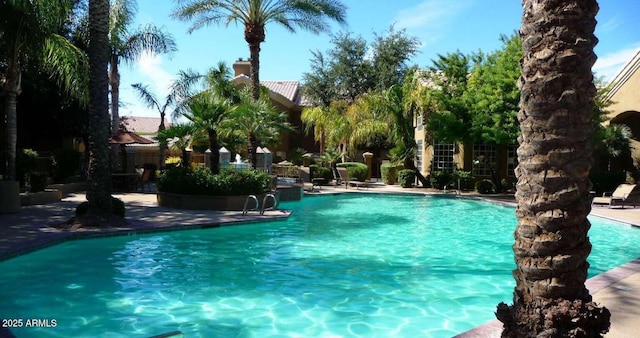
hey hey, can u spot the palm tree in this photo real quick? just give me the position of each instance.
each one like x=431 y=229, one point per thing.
x=99 y=178
x=151 y=100
x=29 y=31
x=128 y=46
x=254 y=15
x=555 y=157
x=179 y=137
x=258 y=121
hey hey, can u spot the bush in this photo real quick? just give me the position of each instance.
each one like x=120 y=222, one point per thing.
x=25 y=164
x=200 y=181
x=606 y=181
x=439 y=179
x=38 y=181
x=466 y=180
x=65 y=164
x=117 y=204
x=486 y=187
x=317 y=171
x=389 y=172
x=356 y=170
x=406 y=177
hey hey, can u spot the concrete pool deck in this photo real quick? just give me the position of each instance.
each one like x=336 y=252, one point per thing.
x=33 y=228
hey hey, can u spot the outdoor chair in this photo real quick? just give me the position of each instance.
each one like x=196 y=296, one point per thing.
x=344 y=177
x=625 y=194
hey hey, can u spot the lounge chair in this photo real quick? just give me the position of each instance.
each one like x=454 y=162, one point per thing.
x=344 y=178
x=625 y=194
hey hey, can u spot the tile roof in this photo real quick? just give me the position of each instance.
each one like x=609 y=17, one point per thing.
x=143 y=125
x=290 y=90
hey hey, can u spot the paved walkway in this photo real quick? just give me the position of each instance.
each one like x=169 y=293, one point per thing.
x=33 y=228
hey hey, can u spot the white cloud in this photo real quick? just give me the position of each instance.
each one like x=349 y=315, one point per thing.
x=148 y=70
x=431 y=17
x=608 y=65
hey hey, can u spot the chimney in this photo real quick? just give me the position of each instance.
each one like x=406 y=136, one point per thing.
x=242 y=67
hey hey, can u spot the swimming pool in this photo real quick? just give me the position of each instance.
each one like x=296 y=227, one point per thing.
x=346 y=265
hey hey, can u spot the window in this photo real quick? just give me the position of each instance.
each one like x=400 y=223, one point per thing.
x=443 y=157
x=419 y=122
x=512 y=160
x=419 y=155
x=484 y=159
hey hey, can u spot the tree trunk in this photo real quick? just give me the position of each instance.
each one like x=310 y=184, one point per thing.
x=408 y=164
x=254 y=35
x=555 y=156
x=99 y=178
x=252 y=148
x=12 y=87
x=162 y=145
x=114 y=84
x=215 y=152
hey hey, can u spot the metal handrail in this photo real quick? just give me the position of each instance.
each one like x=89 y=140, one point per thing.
x=245 y=210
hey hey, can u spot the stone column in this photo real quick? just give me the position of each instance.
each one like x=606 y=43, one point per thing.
x=367 y=160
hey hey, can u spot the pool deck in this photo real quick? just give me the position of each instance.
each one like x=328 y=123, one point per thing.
x=34 y=228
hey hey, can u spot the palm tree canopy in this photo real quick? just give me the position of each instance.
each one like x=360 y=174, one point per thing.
x=310 y=15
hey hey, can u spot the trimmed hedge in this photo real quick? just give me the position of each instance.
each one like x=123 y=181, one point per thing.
x=439 y=179
x=356 y=170
x=406 y=177
x=389 y=172
x=486 y=187
x=117 y=204
x=200 y=181
x=317 y=171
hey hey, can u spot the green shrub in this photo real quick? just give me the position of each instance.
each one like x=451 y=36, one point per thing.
x=117 y=205
x=486 y=187
x=321 y=172
x=389 y=172
x=406 y=177
x=357 y=171
x=25 y=164
x=439 y=179
x=606 y=181
x=466 y=180
x=65 y=164
x=38 y=181
x=200 y=181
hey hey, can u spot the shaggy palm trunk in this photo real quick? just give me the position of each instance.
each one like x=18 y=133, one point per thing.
x=99 y=180
x=12 y=87
x=162 y=145
x=254 y=35
x=252 y=149
x=555 y=156
x=214 y=162
x=114 y=83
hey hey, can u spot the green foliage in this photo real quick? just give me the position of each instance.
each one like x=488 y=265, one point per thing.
x=200 y=181
x=606 y=181
x=321 y=172
x=440 y=179
x=65 y=163
x=356 y=170
x=486 y=187
x=296 y=156
x=389 y=172
x=406 y=177
x=118 y=208
x=465 y=177
x=26 y=160
x=38 y=181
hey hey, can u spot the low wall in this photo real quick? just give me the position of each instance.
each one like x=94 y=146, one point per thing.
x=200 y=202
x=40 y=197
x=67 y=188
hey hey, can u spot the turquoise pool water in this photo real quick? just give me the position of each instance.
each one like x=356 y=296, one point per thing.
x=341 y=266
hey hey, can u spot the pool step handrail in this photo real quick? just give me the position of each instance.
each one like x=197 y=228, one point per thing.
x=264 y=203
x=245 y=210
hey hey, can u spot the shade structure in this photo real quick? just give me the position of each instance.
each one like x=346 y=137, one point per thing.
x=128 y=137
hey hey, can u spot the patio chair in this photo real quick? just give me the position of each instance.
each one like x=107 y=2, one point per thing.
x=625 y=194
x=344 y=177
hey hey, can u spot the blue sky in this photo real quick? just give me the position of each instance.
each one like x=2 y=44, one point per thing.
x=442 y=26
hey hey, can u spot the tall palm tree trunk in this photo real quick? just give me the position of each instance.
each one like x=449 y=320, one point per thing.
x=162 y=144
x=555 y=156
x=12 y=87
x=252 y=149
x=254 y=35
x=114 y=84
x=99 y=182
x=214 y=162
